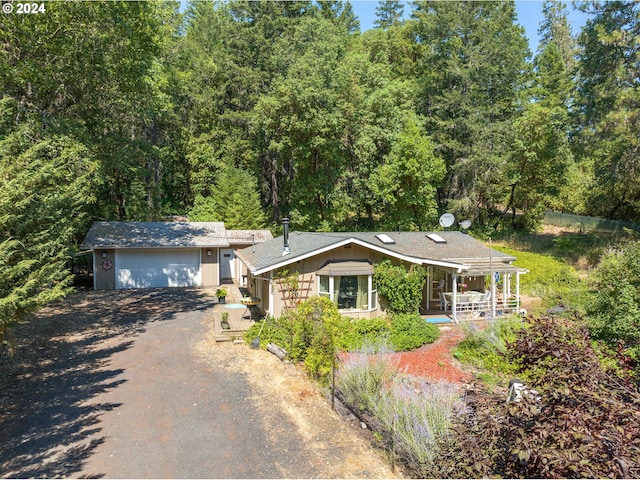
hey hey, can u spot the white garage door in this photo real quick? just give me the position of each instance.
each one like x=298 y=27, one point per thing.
x=152 y=268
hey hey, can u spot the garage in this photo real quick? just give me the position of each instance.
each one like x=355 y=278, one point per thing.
x=154 y=268
x=164 y=254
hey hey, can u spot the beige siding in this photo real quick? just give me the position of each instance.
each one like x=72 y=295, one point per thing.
x=307 y=268
x=209 y=265
x=104 y=279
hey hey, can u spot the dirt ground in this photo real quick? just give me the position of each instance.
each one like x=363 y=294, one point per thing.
x=286 y=386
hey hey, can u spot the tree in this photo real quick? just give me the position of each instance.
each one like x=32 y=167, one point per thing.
x=614 y=312
x=405 y=185
x=473 y=70
x=93 y=65
x=388 y=14
x=609 y=103
x=300 y=123
x=47 y=185
x=555 y=28
x=340 y=13
x=234 y=200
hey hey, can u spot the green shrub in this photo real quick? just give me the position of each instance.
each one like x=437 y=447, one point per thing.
x=614 y=311
x=402 y=288
x=485 y=348
x=315 y=331
x=409 y=331
x=276 y=330
x=584 y=423
x=364 y=331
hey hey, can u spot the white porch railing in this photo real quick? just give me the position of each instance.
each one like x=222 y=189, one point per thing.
x=484 y=309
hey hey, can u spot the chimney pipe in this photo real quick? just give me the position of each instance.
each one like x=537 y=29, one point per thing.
x=285 y=224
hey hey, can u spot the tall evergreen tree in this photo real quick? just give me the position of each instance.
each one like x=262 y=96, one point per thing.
x=542 y=174
x=555 y=28
x=47 y=183
x=388 y=14
x=234 y=199
x=81 y=136
x=301 y=122
x=341 y=13
x=609 y=102
x=473 y=59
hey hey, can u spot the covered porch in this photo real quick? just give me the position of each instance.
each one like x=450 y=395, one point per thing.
x=483 y=289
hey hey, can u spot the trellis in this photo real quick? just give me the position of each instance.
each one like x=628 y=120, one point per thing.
x=293 y=288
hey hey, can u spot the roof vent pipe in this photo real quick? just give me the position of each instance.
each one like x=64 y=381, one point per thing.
x=285 y=224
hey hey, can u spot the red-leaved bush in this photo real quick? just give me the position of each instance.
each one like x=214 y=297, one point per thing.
x=586 y=422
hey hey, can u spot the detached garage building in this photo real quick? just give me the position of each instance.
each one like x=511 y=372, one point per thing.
x=166 y=254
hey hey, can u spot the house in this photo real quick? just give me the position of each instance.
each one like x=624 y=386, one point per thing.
x=166 y=254
x=462 y=271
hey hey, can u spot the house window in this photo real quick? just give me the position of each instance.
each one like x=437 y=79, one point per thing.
x=324 y=288
x=349 y=292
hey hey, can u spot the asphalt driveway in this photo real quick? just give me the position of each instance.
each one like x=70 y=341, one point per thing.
x=108 y=385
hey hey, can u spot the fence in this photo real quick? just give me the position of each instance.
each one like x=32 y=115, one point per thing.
x=587 y=224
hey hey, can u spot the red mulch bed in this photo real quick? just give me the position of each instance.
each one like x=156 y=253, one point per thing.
x=435 y=360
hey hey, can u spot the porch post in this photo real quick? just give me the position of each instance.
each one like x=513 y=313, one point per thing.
x=518 y=290
x=95 y=268
x=506 y=289
x=454 y=297
x=493 y=295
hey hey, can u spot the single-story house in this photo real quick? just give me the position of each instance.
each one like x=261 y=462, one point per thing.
x=167 y=254
x=338 y=265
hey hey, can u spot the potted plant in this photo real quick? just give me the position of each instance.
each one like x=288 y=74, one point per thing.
x=224 y=323
x=221 y=293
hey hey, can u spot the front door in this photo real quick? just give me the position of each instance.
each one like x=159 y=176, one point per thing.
x=227 y=263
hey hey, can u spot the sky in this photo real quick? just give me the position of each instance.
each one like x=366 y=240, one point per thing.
x=529 y=16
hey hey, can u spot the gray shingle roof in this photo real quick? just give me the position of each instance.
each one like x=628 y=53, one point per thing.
x=155 y=234
x=459 y=249
x=248 y=236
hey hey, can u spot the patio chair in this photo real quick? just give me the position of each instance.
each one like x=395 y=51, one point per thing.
x=479 y=300
x=444 y=303
x=482 y=302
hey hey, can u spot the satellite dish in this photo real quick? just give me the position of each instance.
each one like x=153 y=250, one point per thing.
x=465 y=224
x=446 y=220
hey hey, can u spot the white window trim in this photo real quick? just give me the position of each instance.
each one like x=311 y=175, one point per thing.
x=370 y=291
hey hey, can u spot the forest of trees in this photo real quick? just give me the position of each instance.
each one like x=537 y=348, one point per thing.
x=246 y=112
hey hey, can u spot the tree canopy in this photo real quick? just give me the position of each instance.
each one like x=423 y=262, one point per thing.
x=138 y=111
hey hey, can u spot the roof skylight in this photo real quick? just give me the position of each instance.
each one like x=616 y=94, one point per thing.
x=386 y=239
x=436 y=238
